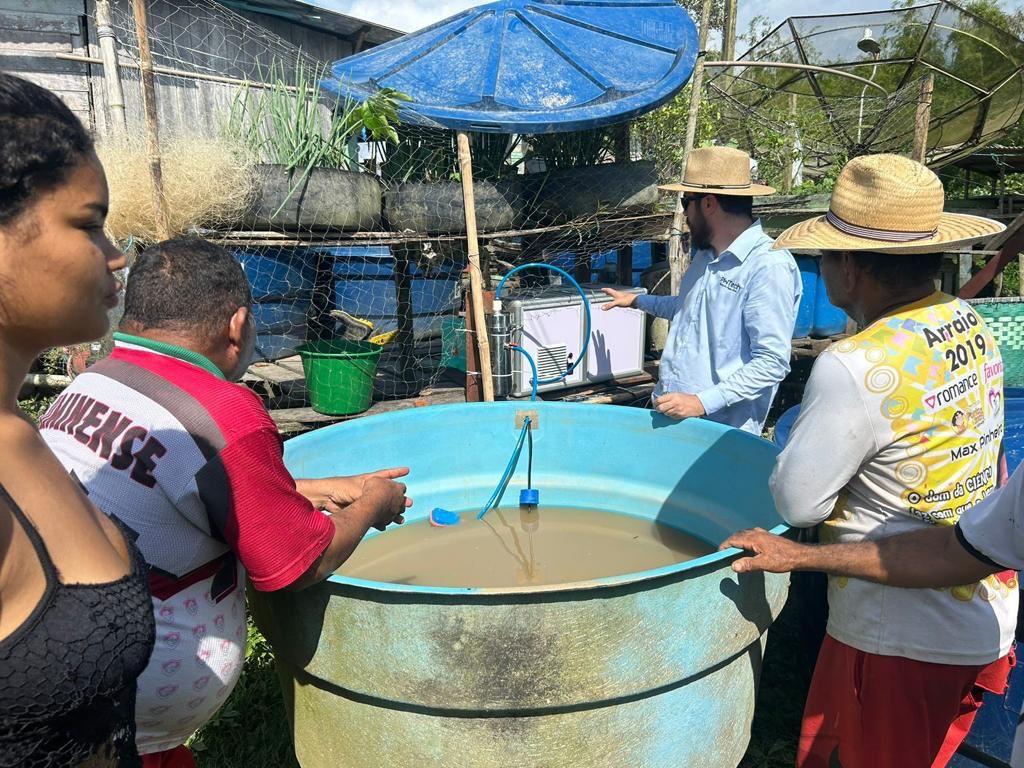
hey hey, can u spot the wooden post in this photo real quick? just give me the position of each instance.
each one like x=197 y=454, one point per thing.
x=111 y=70
x=624 y=265
x=677 y=260
x=582 y=269
x=787 y=167
x=152 y=131
x=476 y=287
x=922 y=118
x=404 y=340
x=729 y=30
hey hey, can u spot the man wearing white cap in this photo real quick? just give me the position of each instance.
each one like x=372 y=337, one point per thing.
x=732 y=322
x=899 y=429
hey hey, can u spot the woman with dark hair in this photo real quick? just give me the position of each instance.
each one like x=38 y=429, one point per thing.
x=76 y=625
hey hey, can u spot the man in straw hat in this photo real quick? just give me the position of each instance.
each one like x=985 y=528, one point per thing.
x=879 y=449
x=732 y=322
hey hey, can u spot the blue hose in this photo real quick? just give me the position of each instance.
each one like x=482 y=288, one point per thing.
x=586 y=316
x=509 y=469
x=536 y=381
x=533 y=367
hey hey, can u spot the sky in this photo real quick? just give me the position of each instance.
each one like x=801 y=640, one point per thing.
x=410 y=15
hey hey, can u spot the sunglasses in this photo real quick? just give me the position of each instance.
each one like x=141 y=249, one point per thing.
x=687 y=199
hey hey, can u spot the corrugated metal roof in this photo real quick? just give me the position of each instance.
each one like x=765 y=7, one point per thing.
x=312 y=15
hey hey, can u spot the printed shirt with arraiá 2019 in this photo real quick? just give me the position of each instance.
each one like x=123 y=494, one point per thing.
x=732 y=329
x=193 y=465
x=900 y=428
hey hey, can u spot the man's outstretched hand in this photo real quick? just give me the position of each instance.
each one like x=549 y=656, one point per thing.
x=335 y=493
x=619 y=299
x=771 y=553
x=679 y=405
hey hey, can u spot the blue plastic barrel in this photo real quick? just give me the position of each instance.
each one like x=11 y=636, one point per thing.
x=281 y=281
x=279 y=273
x=828 y=319
x=604 y=264
x=364 y=286
x=784 y=426
x=274 y=346
x=280 y=316
x=805 y=312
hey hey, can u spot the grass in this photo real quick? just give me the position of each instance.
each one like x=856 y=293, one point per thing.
x=251 y=729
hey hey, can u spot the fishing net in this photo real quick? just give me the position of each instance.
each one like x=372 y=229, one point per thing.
x=352 y=223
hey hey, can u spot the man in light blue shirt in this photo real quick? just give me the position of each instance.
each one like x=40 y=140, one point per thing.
x=732 y=323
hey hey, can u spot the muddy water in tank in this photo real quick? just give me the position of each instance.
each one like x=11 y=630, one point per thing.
x=516 y=547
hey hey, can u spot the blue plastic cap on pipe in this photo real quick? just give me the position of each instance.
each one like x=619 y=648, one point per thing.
x=529 y=497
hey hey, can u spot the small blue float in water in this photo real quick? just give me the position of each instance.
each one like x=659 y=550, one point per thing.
x=442 y=518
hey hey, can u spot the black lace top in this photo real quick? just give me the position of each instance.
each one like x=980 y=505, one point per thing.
x=67 y=674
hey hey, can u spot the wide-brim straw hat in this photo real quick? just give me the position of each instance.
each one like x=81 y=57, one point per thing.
x=718 y=171
x=887 y=204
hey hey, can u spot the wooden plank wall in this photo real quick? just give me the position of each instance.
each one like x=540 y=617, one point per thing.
x=32 y=31
x=205 y=43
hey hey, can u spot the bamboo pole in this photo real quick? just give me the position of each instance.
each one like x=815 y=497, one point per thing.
x=923 y=117
x=111 y=72
x=476 y=285
x=152 y=131
x=791 y=137
x=677 y=260
x=790 y=65
x=172 y=72
x=729 y=30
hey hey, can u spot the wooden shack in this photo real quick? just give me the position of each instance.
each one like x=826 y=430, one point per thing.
x=203 y=50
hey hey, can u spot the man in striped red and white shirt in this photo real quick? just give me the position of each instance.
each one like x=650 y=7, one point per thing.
x=161 y=438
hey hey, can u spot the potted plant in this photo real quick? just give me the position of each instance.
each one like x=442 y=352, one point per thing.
x=309 y=176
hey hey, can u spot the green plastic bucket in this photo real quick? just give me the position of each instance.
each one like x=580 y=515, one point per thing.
x=339 y=375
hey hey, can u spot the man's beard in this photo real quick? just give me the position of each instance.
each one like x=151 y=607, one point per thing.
x=700 y=235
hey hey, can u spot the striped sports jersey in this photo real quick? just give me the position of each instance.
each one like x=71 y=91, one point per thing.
x=192 y=464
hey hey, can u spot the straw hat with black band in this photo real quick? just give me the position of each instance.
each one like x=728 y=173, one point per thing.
x=887 y=204
x=718 y=171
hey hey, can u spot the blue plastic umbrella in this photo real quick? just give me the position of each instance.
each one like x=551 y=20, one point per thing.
x=532 y=66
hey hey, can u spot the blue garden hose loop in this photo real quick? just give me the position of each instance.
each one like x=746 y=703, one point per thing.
x=536 y=382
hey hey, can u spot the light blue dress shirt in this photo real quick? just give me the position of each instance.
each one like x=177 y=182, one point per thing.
x=732 y=327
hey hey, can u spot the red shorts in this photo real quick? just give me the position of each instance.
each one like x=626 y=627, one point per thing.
x=179 y=757
x=870 y=711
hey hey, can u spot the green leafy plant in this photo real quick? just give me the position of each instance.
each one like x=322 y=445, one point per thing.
x=572 y=150
x=287 y=124
x=430 y=155
x=661 y=134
